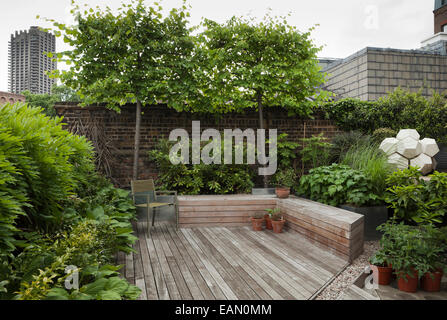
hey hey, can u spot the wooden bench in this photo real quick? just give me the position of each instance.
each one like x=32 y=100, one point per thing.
x=221 y=210
x=339 y=230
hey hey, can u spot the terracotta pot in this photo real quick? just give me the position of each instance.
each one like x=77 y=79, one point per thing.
x=282 y=193
x=257 y=224
x=431 y=281
x=268 y=222
x=408 y=282
x=278 y=225
x=382 y=275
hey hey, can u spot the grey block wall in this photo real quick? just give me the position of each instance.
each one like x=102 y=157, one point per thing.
x=373 y=72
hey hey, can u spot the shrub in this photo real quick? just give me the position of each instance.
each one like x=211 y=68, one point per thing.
x=315 y=151
x=427 y=115
x=41 y=165
x=416 y=200
x=382 y=133
x=200 y=178
x=337 y=185
x=285 y=178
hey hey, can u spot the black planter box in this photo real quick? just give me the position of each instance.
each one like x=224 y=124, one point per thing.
x=374 y=217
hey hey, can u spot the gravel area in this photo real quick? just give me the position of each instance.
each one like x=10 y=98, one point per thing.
x=350 y=274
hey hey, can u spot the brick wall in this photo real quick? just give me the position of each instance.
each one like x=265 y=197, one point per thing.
x=159 y=121
x=6 y=97
x=440 y=18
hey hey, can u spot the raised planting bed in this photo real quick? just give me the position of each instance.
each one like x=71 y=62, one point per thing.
x=337 y=229
x=222 y=210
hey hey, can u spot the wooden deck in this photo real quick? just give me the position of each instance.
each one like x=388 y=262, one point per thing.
x=226 y=263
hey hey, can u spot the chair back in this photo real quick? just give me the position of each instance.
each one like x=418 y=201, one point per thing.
x=142 y=188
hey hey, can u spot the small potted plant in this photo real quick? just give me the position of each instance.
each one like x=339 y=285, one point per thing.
x=431 y=281
x=278 y=222
x=257 y=220
x=268 y=217
x=285 y=179
x=382 y=270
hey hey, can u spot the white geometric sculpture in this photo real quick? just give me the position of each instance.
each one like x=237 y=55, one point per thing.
x=406 y=149
x=424 y=162
x=408 y=133
x=409 y=148
x=429 y=147
x=389 y=146
x=398 y=160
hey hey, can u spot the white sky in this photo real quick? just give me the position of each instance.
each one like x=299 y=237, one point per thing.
x=345 y=26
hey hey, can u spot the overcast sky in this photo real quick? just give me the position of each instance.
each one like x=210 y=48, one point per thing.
x=345 y=26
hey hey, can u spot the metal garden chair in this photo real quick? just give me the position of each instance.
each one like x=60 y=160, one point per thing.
x=145 y=196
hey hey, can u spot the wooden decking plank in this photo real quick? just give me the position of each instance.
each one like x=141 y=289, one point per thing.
x=173 y=290
x=296 y=272
x=279 y=292
x=295 y=241
x=225 y=271
x=200 y=274
x=162 y=289
x=138 y=264
x=121 y=260
x=282 y=278
x=183 y=278
x=140 y=283
x=294 y=257
x=247 y=273
x=130 y=273
x=151 y=287
x=229 y=269
x=210 y=266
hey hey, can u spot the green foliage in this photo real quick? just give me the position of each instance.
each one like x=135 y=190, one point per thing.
x=272 y=212
x=137 y=53
x=382 y=133
x=247 y=64
x=427 y=115
x=287 y=152
x=315 y=151
x=342 y=142
x=90 y=244
x=408 y=247
x=372 y=161
x=286 y=178
x=47 y=101
x=201 y=178
x=40 y=165
x=337 y=185
x=416 y=200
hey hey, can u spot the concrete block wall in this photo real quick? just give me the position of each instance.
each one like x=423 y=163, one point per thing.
x=373 y=72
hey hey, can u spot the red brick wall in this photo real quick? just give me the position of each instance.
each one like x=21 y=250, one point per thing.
x=6 y=97
x=440 y=19
x=159 y=121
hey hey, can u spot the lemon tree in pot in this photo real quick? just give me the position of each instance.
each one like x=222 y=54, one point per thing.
x=284 y=180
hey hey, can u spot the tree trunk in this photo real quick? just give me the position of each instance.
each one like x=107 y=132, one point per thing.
x=137 y=141
x=261 y=126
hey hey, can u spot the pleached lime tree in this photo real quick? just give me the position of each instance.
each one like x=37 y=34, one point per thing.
x=136 y=54
x=244 y=64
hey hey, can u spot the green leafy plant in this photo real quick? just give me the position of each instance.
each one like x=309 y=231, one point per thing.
x=201 y=178
x=342 y=142
x=410 y=248
x=372 y=161
x=414 y=199
x=315 y=151
x=272 y=212
x=286 y=178
x=336 y=185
